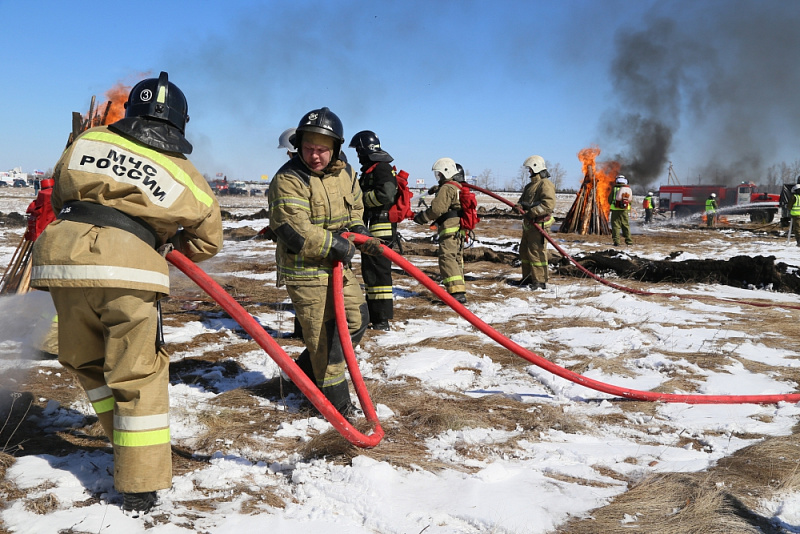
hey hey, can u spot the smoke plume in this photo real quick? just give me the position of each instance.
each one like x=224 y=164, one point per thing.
x=716 y=77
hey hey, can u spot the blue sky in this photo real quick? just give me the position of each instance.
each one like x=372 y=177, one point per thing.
x=710 y=86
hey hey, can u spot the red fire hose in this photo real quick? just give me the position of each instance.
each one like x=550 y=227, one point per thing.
x=257 y=332
x=602 y=280
x=547 y=365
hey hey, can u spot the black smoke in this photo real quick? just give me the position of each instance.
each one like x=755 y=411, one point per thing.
x=718 y=76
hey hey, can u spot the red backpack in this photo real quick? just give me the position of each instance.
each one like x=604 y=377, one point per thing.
x=401 y=209
x=469 y=206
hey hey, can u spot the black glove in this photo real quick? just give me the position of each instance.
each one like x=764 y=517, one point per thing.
x=372 y=247
x=420 y=218
x=342 y=249
x=360 y=229
x=433 y=190
x=268 y=233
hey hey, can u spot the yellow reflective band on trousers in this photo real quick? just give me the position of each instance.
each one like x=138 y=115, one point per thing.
x=453 y=279
x=103 y=406
x=379 y=293
x=381 y=229
x=141 y=439
x=176 y=172
x=449 y=231
x=102 y=399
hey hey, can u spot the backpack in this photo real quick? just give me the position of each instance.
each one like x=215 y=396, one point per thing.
x=469 y=207
x=401 y=209
x=623 y=199
x=646 y=204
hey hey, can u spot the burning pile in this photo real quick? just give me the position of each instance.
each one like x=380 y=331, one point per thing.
x=112 y=111
x=589 y=212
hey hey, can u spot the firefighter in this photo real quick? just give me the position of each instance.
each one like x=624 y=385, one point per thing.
x=125 y=194
x=711 y=210
x=648 y=206
x=285 y=141
x=313 y=198
x=794 y=212
x=537 y=202
x=619 y=200
x=444 y=212
x=379 y=187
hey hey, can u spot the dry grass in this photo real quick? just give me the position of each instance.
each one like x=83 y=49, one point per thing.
x=721 y=499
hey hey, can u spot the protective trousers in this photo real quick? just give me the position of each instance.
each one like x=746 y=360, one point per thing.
x=620 y=225
x=377 y=272
x=314 y=308
x=711 y=219
x=533 y=255
x=107 y=337
x=796 y=229
x=451 y=259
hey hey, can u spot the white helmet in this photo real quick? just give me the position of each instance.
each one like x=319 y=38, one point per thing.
x=621 y=180
x=285 y=140
x=446 y=167
x=649 y=193
x=536 y=164
x=713 y=195
x=796 y=188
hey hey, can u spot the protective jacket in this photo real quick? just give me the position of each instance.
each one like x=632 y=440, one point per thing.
x=444 y=210
x=538 y=199
x=795 y=206
x=711 y=205
x=379 y=186
x=306 y=210
x=613 y=197
x=164 y=190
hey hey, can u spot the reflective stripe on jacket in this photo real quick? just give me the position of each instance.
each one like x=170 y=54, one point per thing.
x=795 y=211
x=314 y=206
x=163 y=189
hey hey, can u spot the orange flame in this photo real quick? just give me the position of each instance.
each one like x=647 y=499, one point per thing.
x=113 y=109
x=604 y=173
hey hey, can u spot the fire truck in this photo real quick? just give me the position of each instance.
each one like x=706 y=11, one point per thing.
x=743 y=199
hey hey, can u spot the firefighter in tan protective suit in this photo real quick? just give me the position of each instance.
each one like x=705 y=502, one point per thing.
x=121 y=192
x=537 y=202
x=312 y=199
x=444 y=211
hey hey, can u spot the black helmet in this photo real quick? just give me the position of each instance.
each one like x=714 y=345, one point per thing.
x=367 y=141
x=322 y=121
x=459 y=177
x=158 y=98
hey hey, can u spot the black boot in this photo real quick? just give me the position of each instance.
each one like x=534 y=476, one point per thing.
x=139 y=502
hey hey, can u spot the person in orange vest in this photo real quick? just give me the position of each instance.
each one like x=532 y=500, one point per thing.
x=648 y=206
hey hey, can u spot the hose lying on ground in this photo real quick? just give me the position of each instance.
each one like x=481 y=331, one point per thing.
x=619 y=287
x=287 y=364
x=557 y=370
